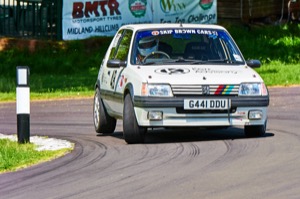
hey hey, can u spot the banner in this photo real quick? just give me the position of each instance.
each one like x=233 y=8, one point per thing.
x=185 y=11
x=87 y=18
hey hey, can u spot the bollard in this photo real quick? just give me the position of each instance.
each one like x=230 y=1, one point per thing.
x=23 y=104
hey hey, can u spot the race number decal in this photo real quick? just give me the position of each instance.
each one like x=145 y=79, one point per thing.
x=113 y=79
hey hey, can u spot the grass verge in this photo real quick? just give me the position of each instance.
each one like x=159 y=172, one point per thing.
x=279 y=74
x=15 y=156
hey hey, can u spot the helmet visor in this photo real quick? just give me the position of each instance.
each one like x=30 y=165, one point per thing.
x=147 y=43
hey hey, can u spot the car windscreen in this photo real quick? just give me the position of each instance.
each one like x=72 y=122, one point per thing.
x=192 y=46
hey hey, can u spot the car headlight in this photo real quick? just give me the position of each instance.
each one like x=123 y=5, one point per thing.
x=253 y=89
x=157 y=90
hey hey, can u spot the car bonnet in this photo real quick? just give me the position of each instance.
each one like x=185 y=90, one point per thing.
x=198 y=74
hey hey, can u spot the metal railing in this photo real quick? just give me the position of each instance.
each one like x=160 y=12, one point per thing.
x=31 y=18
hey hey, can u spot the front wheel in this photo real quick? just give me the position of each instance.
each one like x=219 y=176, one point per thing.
x=255 y=131
x=133 y=133
x=103 y=122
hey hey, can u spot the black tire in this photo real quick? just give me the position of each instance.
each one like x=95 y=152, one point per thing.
x=103 y=122
x=132 y=132
x=255 y=131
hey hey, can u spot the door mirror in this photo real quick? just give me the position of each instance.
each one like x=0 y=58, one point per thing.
x=253 y=63
x=116 y=63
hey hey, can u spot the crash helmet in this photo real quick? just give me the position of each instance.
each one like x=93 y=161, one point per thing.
x=147 y=45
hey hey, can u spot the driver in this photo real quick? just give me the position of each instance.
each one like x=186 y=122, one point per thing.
x=146 y=46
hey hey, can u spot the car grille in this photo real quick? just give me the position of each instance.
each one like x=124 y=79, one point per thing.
x=194 y=90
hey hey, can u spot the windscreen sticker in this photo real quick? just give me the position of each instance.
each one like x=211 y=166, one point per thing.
x=213 y=36
x=211 y=33
x=237 y=57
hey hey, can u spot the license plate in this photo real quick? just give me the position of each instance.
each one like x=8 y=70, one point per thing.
x=208 y=104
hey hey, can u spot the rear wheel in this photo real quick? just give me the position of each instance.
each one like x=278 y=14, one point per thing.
x=133 y=133
x=103 y=122
x=255 y=131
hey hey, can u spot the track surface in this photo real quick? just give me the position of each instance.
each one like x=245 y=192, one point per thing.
x=171 y=164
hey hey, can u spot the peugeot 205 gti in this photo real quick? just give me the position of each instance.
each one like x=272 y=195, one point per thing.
x=177 y=75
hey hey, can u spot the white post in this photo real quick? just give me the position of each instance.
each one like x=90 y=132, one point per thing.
x=23 y=104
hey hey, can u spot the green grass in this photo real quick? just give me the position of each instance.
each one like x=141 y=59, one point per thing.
x=277 y=47
x=11 y=96
x=270 y=44
x=14 y=156
x=52 y=86
x=279 y=74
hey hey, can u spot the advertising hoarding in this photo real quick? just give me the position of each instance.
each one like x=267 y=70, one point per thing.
x=87 y=18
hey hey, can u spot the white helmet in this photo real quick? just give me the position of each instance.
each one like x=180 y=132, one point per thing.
x=147 y=45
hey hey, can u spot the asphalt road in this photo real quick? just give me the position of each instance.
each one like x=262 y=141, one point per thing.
x=171 y=164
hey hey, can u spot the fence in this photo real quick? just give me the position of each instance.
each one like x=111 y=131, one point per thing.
x=31 y=18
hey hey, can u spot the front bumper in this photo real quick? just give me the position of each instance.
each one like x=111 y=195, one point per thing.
x=173 y=114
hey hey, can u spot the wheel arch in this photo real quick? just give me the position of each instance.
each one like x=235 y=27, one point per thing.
x=97 y=84
x=129 y=89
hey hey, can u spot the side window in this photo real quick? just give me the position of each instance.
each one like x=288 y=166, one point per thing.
x=115 y=45
x=122 y=49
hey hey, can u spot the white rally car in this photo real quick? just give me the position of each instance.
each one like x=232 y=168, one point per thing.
x=177 y=75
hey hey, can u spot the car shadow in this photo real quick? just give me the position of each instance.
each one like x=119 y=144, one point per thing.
x=159 y=136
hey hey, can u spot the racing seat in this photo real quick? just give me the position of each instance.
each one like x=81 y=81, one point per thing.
x=165 y=48
x=197 y=50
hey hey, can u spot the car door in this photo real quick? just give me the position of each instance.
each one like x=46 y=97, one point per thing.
x=119 y=51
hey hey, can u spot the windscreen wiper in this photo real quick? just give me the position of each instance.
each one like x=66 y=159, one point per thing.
x=213 y=61
x=148 y=63
x=180 y=60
